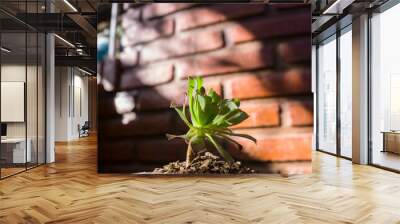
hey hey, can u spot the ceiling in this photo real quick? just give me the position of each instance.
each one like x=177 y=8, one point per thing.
x=74 y=22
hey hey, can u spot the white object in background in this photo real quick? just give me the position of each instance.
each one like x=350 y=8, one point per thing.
x=19 y=155
x=12 y=101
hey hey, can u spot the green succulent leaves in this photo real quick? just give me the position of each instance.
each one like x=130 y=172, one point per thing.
x=210 y=117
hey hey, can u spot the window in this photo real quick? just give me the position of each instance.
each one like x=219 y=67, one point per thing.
x=327 y=95
x=345 y=93
x=22 y=101
x=385 y=89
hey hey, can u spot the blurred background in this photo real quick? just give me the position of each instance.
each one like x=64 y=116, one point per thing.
x=259 y=53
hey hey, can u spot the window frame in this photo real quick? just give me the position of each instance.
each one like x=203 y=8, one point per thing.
x=378 y=10
x=343 y=28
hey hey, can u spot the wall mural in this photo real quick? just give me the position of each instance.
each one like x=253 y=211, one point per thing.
x=204 y=89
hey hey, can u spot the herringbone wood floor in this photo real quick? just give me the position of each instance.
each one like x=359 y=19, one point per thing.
x=70 y=191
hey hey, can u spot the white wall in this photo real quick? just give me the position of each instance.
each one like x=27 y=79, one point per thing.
x=61 y=103
x=71 y=102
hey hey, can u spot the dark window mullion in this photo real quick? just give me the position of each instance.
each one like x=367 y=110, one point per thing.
x=0 y=98
x=316 y=97
x=338 y=77
x=26 y=88
x=37 y=90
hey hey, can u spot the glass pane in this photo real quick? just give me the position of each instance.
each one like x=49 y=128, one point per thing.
x=346 y=93
x=386 y=89
x=327 y=96
x=32 y=98
x=32 y=85
x=41 y=98
x=13 y=86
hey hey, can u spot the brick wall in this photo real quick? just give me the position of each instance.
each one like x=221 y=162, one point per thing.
x=258 y=53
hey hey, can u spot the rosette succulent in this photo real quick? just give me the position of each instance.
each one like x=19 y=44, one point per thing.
x=210 y=120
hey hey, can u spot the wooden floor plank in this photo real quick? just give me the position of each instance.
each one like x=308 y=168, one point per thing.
x=71 y=191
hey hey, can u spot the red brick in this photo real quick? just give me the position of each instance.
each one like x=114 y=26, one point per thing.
x=260 y=115
x=294 y=81
x=151 y=75
x=117 y=151
x=111 y=74
x=188 y=43
x=273 y=26
x=276 y=147
x=166 y=150
x=130 y=16
x=298 y=50
x=289 y=6
x=162 y=9
x=129 y=57
x=139 y=32
x=215 y=85
x=298 y=113
x=106 y=107
x=214 y=14
x=100 y=69
x=238 y=58
x=144 y=124
x=161 y=97
x=126 y=6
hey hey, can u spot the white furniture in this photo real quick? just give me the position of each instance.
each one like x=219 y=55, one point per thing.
x=18 y=149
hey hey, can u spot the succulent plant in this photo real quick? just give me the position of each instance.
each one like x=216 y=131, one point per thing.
x=210 y=119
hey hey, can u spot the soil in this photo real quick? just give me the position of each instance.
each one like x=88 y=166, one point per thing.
x=206 y=163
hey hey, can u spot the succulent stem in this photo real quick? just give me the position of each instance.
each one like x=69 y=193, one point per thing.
x=189 y=154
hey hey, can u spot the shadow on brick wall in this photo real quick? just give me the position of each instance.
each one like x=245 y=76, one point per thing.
x=258 y=53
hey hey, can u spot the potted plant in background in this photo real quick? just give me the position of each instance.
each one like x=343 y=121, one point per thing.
x=209 y=121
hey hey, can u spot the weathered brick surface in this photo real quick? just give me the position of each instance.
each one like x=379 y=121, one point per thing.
x=137 y=31
x=268 y=84
x=171 y=150
x=129 y=57
x=296 y=50
x=106 y=107
x=278 y=148
x=110 y=74
x=238 y=58
x=161 y=97
x=187 y=43
x=261 y=115
x=125 y=149
x=151 y=75
x=156 y=10
x=131 y=16
x=299 y=113
x=157 y=123
x=282 y=25
x=207 y=15
x=255 y=52
x=280 y=145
